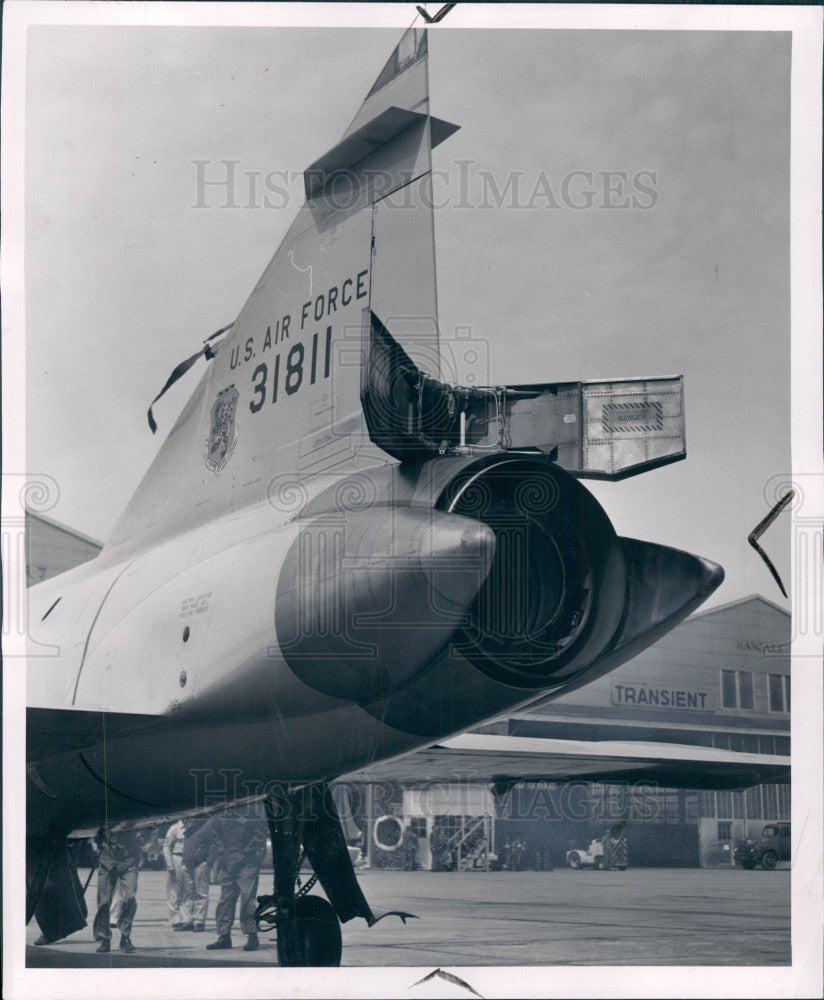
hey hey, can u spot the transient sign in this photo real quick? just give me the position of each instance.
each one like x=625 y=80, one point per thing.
x=660 y=697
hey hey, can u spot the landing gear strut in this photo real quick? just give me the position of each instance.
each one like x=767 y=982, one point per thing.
x=305 y=824
x=302 y=824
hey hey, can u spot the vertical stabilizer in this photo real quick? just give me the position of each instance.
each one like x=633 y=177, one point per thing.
x=282 y=394
x=402 y=83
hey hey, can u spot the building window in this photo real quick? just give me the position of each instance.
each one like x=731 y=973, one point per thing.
x=755 y=808
x=668 y=807
x=728 y=697
x=674 y=807
x=724 y=829
x=737 y=689
x=738 y=805
x=745 y=695
x=779 y=692
x=783 y=801
x=418 y=824
x=770 y=799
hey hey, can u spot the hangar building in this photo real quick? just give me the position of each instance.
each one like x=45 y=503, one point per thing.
x=720 y=679
x=52 y=548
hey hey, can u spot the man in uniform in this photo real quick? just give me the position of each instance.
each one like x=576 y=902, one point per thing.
x=196 y=871
x=116 y=871
x=439 y=848
x=173 y=856
x=409 y=847
x=241 y=843
x=615 y=846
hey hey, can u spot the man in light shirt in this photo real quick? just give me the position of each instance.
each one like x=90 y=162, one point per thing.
x=179 y=917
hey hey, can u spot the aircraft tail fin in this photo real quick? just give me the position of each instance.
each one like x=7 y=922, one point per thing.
x=402 y=83
x=282 y=391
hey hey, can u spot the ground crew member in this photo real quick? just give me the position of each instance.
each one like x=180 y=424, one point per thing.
x=241 y=843
x=173 y=856
x=615 y=846
x=439 y=848
x=115 y=908
x=619 y=852
x=409 y=846
x=116 y=872
x=618 y=847
x=606 y=849
x=196 y=872
x=143 y=839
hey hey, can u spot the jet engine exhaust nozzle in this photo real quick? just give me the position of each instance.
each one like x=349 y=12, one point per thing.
x=555 y=592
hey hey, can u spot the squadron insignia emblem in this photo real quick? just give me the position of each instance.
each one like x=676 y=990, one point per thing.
x=223 y=435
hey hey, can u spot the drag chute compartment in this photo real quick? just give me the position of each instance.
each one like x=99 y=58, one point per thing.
x=606 y=429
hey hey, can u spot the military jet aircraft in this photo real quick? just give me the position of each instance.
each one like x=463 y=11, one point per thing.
x=339 y=556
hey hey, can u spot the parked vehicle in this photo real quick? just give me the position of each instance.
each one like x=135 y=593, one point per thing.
x=767 y=850
x=592 y=857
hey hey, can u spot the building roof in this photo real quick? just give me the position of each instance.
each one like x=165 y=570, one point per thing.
x=749 y=599
x=57 y=526
x=52 y=548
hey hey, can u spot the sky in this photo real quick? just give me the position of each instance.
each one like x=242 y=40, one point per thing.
x=615 y=204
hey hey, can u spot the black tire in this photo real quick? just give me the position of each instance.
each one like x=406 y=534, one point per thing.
x=575 y=860
x=314 y=937
x=600 y=864
x=769 y=859
x=748 y=865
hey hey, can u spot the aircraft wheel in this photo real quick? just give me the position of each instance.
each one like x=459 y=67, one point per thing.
x=769 y=860
x=575 y=860
x=312 y=936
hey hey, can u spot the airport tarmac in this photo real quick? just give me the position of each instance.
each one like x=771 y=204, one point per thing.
x=642 y=916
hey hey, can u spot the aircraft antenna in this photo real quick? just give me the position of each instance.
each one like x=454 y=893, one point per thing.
x=182 y=368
